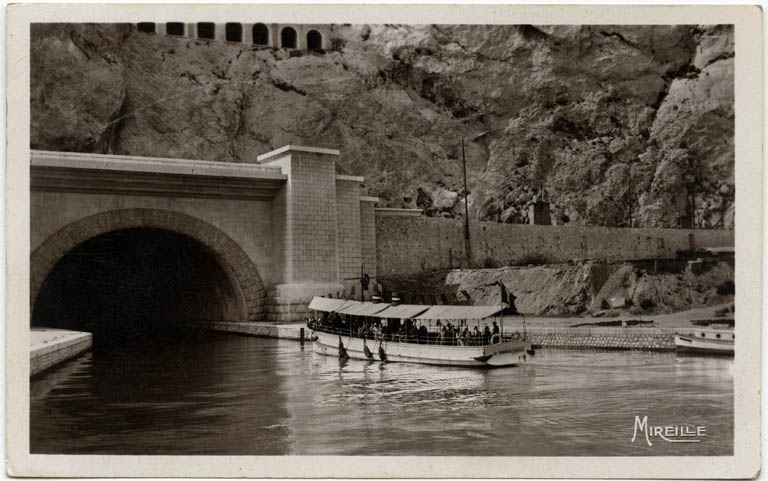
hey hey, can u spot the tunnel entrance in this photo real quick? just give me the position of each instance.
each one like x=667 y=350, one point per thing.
x=135 y=284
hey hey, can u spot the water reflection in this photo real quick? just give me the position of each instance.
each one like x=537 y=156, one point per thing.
x=243 y=395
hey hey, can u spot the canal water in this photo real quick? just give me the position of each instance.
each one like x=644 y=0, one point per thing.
x=224 y=394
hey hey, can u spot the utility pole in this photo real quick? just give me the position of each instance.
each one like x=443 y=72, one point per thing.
x=467 y=245
x=630 y=194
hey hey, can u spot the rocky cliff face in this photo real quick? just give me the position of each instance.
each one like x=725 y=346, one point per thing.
x=615 y=124
x=582 y=288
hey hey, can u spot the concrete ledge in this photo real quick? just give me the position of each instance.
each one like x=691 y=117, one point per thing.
x=295 y=148
x=368 y=198
x=350 y=178
x=127 y=163
x=263 y=329
x=53 y=346
x=391 y=211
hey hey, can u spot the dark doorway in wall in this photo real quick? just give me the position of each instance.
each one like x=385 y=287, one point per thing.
x=288 y=38
x=260 y=34
x=234 y=32
x=206 y=30
x=314 y=40
x=174 y=28
x=146 y=27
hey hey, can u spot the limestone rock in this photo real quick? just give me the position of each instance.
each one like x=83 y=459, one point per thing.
x=611 y=124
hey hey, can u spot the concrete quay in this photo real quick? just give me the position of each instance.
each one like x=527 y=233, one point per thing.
x=641 y=338
x=293 y=330
x=49 y=347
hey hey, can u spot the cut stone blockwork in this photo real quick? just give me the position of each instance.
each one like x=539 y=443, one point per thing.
x=241 y=271
x=284 y=229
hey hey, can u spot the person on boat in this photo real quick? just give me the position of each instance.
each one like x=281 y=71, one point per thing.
x=486 y=335
x=400 y=336
x=496 y=331
x=423 y=333
x=476 y=336
x=465 y=336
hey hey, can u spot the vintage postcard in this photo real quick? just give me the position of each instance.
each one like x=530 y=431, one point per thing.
x=384 y=241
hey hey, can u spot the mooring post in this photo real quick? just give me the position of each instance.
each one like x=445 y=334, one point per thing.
x=301 y=335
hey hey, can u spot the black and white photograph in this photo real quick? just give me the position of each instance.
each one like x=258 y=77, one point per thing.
x=250 y=236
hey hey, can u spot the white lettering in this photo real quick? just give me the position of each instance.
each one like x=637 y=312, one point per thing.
x=670 y=434
x=643 y=427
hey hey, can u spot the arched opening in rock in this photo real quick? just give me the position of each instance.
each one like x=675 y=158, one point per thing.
x=206 y=30
x=174 y=28
x=288 y=38
x=260 y=34
x=146 y=27
x=234 y=32
x=314 y=40
x=135 y=284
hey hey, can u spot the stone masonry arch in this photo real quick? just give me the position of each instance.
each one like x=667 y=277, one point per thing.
x=245 y=279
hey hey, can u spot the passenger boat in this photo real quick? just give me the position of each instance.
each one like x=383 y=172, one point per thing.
x=368 y=331
x=707 y=341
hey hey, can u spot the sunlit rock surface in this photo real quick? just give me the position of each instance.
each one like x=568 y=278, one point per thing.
x=617 y=125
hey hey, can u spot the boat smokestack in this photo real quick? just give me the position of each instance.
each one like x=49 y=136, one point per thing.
x=395 y=299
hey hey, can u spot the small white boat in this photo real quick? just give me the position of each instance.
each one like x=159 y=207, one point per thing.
x=344 y=341
x=706 y=341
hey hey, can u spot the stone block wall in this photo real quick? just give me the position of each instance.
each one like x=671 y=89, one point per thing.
x=308 y=205
x=261 y=329
x=368 y=234
x=47 y=356
x=412 y=245
x=652 y=339
x=348 y=228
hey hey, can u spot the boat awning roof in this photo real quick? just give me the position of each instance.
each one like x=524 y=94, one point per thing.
x=326 y=304
x=459 y=312
x=362 y=308
x=403 y=311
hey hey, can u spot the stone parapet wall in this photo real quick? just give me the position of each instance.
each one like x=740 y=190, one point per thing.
x=411 y=245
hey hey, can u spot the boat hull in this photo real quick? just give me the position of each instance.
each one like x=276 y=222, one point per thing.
x=509 y=353
x=691 y=344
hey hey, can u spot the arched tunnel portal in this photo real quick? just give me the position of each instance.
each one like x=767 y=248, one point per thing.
x=142 y=273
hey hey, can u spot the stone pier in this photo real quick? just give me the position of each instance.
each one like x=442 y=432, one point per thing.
x=638 y=338
x=49 y=347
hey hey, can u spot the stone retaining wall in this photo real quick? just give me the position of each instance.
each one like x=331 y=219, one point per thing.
x=43 y=357
x=262 y=329
x=643 y=338
x=413 y=245
x=647 y=338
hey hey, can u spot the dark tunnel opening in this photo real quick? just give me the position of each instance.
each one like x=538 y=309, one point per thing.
x=136 y=285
